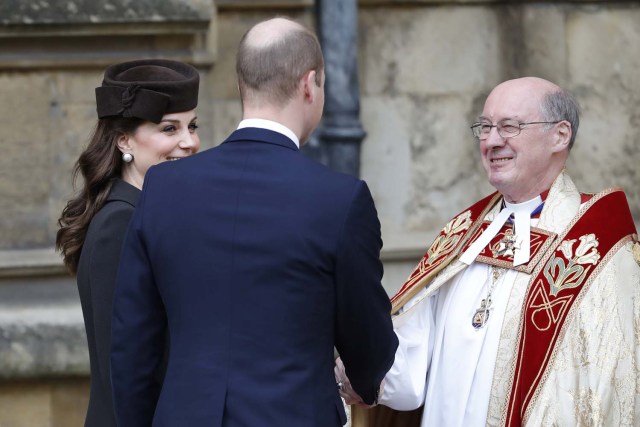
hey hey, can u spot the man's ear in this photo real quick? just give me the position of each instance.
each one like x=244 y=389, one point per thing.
x=309 y=85
x=563 y=136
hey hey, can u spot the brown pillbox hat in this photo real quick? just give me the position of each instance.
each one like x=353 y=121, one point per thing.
x=147 y=89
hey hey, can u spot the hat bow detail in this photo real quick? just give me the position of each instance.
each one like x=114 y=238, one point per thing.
x=132 y=101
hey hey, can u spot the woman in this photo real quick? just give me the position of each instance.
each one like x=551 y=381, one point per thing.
x=145 y=116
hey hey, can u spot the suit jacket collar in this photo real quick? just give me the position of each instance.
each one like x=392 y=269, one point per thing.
x=262 y=135
x=124 y=192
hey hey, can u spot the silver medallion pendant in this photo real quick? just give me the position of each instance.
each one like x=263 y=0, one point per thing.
x=482 y=315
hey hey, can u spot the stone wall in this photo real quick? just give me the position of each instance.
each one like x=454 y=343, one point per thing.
x=425 y=69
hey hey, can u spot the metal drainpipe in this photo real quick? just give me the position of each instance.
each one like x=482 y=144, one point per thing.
x=340 y=133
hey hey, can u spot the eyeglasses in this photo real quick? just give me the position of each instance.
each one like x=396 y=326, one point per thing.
x=506 y=128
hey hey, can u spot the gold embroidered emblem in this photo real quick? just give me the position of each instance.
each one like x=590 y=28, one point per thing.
x=571 y=275
x=636 y=252
x=447 y=240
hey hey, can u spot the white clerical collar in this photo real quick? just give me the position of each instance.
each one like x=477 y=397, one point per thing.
x=522 y=230
x=528 y=206
x=271 y=125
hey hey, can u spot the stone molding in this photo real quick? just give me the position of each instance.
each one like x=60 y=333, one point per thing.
x=262 y=4
x=30 y=262
x=470 y=2
x=82 y=33
x=64 y=12
x=41 y=326
x=42 y=341
x=46 y=262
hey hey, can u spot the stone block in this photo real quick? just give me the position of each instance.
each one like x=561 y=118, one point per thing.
x=15 y=12
x=545 y=55
x=605 y=153
x=262 y=4
x=26 y=106
x=24 y=165
x=226 y=116
x=421 y=159
x=212 y=38
x=365 y=3
x=604 y=56
x=25 y=404
x=422 y=51
x=44 y=403
x=447 y=173
x=40 y=340
x=69 y=402
x=604 y=50
x=222 y=78
x=29 y=262
x=385 y=154
x=82 y=34
x=78 y=86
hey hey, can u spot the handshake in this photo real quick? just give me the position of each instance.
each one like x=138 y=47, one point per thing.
x=344 y=386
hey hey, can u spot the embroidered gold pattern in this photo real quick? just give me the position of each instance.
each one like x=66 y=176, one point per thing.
x=636 y=329
x=447 y=240
x=584 y=337
x=566 y=276
x=434 y=260
x=546 y=313
x=588 y=408
x=636 y=252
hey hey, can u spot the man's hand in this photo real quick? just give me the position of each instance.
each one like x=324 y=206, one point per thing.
x=344 y=386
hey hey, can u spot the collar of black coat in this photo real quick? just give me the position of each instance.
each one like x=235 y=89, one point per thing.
x=124 y=192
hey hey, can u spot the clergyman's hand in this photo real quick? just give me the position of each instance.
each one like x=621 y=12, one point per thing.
x=344 y=386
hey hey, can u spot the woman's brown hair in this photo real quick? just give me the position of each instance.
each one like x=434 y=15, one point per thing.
x=99 y=164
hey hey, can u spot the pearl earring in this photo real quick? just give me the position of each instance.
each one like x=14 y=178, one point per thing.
x=127 y=157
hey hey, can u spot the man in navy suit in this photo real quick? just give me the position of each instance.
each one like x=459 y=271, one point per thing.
x=257 y=262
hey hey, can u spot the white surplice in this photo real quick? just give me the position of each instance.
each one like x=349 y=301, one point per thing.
x=459 y=358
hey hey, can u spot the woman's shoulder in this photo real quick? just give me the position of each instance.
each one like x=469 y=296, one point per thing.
x=123 y=192
x=115 y=214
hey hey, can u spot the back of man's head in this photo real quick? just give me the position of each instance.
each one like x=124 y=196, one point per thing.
x=272 y=58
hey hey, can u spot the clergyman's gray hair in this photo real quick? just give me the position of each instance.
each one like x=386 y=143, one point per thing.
x=561 y=105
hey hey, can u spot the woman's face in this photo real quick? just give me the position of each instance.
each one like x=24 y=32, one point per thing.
x=173 y=138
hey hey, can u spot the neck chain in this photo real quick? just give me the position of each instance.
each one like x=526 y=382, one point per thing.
x=481 y=316
x=508 y=245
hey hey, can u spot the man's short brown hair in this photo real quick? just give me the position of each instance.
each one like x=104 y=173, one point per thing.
x=271 y=71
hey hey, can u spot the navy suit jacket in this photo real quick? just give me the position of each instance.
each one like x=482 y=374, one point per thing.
x=259 y=261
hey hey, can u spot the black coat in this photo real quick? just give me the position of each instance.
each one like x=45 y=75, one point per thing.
x=258 y=261
x=97 y=271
